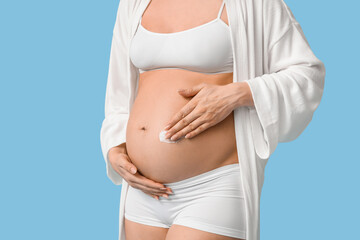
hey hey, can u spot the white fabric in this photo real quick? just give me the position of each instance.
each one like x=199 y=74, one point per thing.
x=190 y=49
x=270 y=53
x=195 y=203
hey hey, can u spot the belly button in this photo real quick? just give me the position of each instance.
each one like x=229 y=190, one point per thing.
x=142 y=126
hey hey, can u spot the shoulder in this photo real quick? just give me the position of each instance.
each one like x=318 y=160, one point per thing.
x=269 y=9
x=128 y=8
x=277 y=17
x=277 y=9
x=129 y=5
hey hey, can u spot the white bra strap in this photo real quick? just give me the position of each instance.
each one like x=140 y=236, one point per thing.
x=221 y=8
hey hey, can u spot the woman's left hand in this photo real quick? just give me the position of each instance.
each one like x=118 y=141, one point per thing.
x=210 y=105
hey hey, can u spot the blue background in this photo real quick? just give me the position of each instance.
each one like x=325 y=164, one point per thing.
x=54 y=61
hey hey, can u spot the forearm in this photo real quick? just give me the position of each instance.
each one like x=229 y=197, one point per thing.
x=240 y=94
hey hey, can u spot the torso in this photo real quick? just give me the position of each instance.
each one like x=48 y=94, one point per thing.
x=157 y=101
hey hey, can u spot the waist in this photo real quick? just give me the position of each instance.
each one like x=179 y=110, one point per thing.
x=184 y=77
x=206 y=176
x=224 y=181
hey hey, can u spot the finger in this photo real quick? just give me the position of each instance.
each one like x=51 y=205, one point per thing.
x=186 y=124
x=154 y=186
x=188 y=92
x=199 y=130
x=139 y=181
x=149 y=190
x=165 y=195
x=182 y=124
x=189 y=128
x=197 y=120
x=150 y=185
x=125 y=163
x=152 y=195
x=180 y=115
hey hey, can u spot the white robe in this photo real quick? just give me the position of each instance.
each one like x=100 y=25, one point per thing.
x=270 y=53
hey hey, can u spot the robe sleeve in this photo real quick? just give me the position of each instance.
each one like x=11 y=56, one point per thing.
x=113 y=128
x=286 y=98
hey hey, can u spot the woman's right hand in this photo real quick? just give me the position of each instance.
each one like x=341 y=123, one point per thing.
x=122 y=164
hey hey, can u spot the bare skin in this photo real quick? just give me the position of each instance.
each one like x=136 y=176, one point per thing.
x=158 y=103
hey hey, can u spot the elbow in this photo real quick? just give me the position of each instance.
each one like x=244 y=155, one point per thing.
x=319 y=72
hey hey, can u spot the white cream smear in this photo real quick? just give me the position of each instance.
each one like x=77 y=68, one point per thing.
x=163 y=139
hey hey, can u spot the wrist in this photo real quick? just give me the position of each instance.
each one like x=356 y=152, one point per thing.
x=118 y=149
x=248 y=99
x=242 y=95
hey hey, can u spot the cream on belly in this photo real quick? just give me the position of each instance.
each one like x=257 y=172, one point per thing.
x=163 y=139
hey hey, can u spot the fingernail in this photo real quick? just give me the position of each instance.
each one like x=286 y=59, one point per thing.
x=163 y=188
x=165 y=195
x=133 y=170
x=167 y=127
x=157 y=197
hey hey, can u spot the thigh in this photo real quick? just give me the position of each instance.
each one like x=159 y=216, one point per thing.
x=143 y=217
x=138 y=231
x=179 y=232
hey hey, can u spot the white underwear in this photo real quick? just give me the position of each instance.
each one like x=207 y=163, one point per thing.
x=212 y=201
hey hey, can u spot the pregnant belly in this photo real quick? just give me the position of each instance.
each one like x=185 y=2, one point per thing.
x=156 y=102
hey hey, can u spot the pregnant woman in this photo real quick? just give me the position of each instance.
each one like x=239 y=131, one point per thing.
x=175 y=145
x=184 y=52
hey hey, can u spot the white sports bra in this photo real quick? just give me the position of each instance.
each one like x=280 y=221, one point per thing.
x=205 y=48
